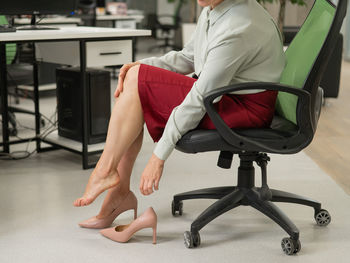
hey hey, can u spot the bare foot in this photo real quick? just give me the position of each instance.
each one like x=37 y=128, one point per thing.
x=98 y=183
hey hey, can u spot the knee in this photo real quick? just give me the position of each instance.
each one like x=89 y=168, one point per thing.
x=131 y=78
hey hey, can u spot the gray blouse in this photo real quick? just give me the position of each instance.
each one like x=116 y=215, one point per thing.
x=235 y=42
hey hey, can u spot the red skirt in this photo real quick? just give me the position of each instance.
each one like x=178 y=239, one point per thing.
x=161 y=91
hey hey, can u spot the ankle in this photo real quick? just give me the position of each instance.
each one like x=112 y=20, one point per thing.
x=105 y=171
x=123 y=192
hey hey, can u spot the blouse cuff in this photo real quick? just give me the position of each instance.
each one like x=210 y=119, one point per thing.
x=147 y=61
x=163 y=149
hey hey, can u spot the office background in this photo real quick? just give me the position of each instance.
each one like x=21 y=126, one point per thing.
x=39 y=224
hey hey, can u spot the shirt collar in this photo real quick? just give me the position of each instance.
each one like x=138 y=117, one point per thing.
x=219 y=10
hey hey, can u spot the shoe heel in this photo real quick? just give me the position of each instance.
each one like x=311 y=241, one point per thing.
x=154 y=235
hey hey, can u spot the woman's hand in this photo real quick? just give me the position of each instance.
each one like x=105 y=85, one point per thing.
x=151 y=175
x=122 y=73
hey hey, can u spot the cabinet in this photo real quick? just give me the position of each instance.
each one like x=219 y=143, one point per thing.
x=98 y=53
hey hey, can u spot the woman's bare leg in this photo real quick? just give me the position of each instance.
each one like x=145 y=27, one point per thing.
x=125 y=125
x=116 y=194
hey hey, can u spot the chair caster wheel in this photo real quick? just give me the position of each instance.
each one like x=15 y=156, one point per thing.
x=322 y=217
x=192 y=239
x=177 y=207
x=290 y=246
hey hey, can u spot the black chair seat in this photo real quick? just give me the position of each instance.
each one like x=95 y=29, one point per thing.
x=19 y=74
x=210 y=140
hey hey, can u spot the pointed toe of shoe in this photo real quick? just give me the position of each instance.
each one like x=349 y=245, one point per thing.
x=105 y=232
x=92 y=222
x=123 y=233
x=112 y=234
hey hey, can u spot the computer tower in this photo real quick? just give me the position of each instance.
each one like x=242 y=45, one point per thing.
x=69 y=103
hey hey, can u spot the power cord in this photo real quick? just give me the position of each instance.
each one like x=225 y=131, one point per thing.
x=19 y=155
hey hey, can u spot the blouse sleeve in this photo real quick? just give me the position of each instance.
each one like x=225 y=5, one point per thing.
x=222 y=63
x=178 y=61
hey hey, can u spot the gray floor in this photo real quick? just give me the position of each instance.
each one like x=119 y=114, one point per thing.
x=39 y=224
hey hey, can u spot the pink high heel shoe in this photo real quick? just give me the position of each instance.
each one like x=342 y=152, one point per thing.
x=130 y=202
x=123 y=233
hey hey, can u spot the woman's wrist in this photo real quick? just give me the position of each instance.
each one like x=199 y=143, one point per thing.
x=157 y=160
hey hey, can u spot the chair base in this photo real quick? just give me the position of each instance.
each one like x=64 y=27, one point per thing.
x=245 y=193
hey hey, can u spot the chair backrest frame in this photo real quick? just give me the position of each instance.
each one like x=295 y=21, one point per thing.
x=313 y=77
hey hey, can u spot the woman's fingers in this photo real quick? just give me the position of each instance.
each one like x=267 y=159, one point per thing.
x=122 y=73
x=156 y=184
x=144 y=186
x=151 y=175
x=149 y=187
x=141 y=185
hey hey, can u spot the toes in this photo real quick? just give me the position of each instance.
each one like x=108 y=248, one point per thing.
x=79 y=202
x=76 y=202
x=88 y=201
x=82 y=202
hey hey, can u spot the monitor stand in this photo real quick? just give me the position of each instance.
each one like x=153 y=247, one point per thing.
x=34 y=26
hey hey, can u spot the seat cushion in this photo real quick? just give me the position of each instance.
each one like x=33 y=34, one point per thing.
x=20 y=74
x=210 y=140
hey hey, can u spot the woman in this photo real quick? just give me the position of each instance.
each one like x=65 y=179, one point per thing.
x=234 y=41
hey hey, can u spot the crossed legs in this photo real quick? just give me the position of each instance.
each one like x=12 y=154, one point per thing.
x=116 y=195
x=123 y=142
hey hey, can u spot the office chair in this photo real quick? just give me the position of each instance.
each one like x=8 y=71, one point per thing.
x=87 y=12
x=154 y=23
x=17 y=74
x=297 y=111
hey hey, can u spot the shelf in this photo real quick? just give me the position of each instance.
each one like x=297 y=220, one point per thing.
x=44 y=87
x=71 y=144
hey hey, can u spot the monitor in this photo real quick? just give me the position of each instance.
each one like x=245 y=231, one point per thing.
x=101 y=3
x=37 y=7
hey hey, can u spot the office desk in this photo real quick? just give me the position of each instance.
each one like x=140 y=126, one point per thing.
x=86 y=39
x=119 y=20
x=60 y=20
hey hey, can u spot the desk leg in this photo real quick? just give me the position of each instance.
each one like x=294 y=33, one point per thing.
x=3 y=95
x=36 y=102
x=133 y=43
x=84 y=103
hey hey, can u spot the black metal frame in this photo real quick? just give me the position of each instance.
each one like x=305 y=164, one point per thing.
x=246 y=194
x=4 y=99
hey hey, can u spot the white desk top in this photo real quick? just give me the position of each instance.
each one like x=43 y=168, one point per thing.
x=119 y=17
x=50 y=20
x=71 y=33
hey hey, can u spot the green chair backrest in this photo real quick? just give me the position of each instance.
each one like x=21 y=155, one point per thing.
x=11 y=49
x=301 y=55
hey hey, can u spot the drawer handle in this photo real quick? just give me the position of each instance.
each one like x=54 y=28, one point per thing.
x=110 y=53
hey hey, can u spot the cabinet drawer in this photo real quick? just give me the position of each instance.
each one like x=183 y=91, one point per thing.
x=108 y=53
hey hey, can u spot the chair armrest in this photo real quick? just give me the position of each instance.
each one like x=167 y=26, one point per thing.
x=231 y=137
